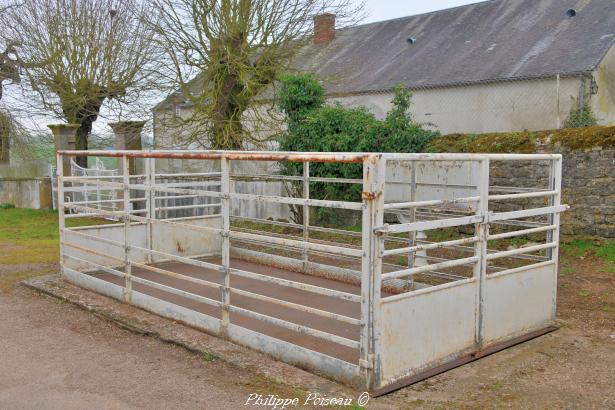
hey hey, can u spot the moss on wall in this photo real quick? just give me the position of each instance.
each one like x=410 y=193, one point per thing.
x=527 y=141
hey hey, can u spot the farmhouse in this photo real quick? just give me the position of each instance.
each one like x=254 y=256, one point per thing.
x=499 y=65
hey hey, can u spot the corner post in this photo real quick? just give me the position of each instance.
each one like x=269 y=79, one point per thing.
x=60 y=199
x=225 y=186
x=480 y=248
x=374 y=168
x=555 y=184
x=126 y=209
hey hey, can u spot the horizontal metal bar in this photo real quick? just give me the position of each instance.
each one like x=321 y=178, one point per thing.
x=527 y=249
x=522 y=268
x=176 y=275
x=467 y=157
x=297 y=178
x=299 y=201
x=296 y=243
x=104 y=201
x=86 y=209
x=427 y=268
x=175 y=291
x=431 y=289
x=525 y=213
x=522 y=232
x=168 y=208
x=417 y=204
x=429 y=225
x=180 y=184
x=94 y=182
x=296 y=306
x=523 y=195
x=168 y=198
x=297 y=285
x=231 y=155
x=92 y=251
x=299 y=226
x=98 y=266
x=436 y=245
x=188 y=174
x=295 y=327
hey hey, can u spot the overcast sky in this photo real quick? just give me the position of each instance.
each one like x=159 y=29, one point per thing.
x=389 y=9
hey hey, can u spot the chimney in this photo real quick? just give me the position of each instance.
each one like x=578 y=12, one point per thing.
x=324 y=28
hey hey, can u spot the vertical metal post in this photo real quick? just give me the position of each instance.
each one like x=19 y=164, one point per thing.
x=555 y=184
x=225 y=186
x=150 y=203
x=306 y=215
x=412 y=234
x=557 y=86
x=126 y=195
x=480 y=248
x=371 y=264
x=378 y=244
x=60 y=206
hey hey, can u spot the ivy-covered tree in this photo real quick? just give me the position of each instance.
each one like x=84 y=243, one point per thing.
x=77 y=55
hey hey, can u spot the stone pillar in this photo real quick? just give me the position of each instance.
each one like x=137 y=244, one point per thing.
x=64 y=136
x=128 y=137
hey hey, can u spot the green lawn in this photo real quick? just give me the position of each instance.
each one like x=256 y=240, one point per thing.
x=29 y=243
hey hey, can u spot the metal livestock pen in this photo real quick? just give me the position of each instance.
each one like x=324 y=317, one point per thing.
x=445 y=264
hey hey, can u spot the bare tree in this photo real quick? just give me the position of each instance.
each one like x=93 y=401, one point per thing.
x=79 y=54
x=226 y=53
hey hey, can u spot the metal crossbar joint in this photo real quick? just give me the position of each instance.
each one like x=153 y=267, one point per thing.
x=367 y=364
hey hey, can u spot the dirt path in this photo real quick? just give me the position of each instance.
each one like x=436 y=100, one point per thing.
x=56 y=356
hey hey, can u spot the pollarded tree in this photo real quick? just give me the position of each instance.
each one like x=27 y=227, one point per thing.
x=79 y=54
x=228 y=52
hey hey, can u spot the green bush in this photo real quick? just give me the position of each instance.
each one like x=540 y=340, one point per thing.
x=581 y=117
x=316 y=127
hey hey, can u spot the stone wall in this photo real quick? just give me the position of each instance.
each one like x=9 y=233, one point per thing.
x=32 y=193
x=588 y=184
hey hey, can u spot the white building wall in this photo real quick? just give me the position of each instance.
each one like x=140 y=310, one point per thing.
x=603 y=103
x=495 y=107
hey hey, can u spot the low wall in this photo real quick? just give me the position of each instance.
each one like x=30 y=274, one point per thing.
x=26 y=193
x=588 y=184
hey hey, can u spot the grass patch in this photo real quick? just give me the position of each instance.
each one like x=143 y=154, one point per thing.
x=584 y=293
x=29 y=243
x=209 y=357
x=608 y=307
x=578 y=247
x=567 y=270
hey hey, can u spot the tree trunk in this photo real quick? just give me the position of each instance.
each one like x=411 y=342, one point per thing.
x=5 y=134
x=81 y=141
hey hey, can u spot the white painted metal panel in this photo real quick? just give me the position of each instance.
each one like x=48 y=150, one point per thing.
x=136 y=236
x=447 y=180
x=518 y=302
x=435 y=180
x=180 y=241
x=426 y=329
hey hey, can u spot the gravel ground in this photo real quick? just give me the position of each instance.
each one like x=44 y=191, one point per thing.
x=55 y=356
